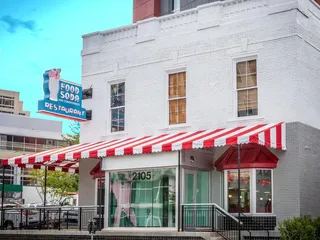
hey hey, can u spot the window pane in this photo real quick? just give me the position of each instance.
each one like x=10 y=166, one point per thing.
x=242 y=100
x=252 y=80
x=144 y=198
x=253 y=95
x=241 y=68
x=173 y=91
x=233 y=191
x=241 y=82
x=177 y=111
x=182 y=110
x=114 y=120
x=182 y=78
x=173 y=79
x=248 y=102
x=177 y=85
x=117 y=119
x=264 y=191
x=182 y=117
x=121 y=88
x=182 y=105
x=121 y=119
x=117 y=95
x=174 y=118
x=182 y=84
x=252 y=66
x=173 y=106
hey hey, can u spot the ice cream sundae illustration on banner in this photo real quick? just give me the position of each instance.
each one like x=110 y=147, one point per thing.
x=62 y=98
x=54 y=80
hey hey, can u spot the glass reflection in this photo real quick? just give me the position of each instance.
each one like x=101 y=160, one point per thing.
x=144 y=198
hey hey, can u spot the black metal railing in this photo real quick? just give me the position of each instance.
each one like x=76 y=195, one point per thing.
x=249 y=223
x=52 y=217
x=211 y=218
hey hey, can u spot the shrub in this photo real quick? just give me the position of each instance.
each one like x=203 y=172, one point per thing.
x=298 y=228
x=316 y=224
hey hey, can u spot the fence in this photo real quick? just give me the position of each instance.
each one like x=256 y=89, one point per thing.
x=53 y=217
x=211 y=217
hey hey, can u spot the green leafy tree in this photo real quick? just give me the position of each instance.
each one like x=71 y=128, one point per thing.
x=58 y=184
x=73 y=137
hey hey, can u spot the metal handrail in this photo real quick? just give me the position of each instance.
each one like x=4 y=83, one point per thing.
x=258 y=225
x=215 y=205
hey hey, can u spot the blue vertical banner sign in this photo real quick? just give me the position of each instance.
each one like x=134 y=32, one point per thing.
x=61 y=98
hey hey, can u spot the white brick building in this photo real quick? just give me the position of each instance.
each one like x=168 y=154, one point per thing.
x=271 y=44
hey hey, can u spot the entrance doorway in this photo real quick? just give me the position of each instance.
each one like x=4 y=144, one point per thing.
x=197 y=191
x=196 y=186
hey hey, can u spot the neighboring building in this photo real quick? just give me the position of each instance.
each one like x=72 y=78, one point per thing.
x=10 y=103
x=24 y=135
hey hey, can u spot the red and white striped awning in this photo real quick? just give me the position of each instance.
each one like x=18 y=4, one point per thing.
x=66 y=159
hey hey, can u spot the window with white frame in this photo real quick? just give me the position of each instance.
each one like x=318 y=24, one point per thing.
x=247 y=89
x=177 y=98
x=117 y=103
x=255 y=190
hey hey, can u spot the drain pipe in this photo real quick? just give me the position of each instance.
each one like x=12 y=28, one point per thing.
x=239 y=192
x=179 y=191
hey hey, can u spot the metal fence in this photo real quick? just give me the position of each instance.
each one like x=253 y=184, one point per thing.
x=77 y=218
x=211 y=218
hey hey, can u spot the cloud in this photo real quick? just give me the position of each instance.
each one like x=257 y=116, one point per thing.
x=14 y=24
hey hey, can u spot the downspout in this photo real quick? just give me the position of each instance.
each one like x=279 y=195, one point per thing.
x=179 y=191
x=239 y=192
x=100 y=193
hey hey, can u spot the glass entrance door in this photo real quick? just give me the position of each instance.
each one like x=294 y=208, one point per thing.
x=196 y=192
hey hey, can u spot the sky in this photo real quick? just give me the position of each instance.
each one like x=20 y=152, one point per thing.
x=36 y=35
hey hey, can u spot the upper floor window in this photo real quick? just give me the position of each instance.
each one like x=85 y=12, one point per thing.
x=169 y=6
x=247 y=90
x=117 y=107
x=177 y=98
x=6 y=102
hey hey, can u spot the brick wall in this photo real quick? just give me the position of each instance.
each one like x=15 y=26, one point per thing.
x=143 y=9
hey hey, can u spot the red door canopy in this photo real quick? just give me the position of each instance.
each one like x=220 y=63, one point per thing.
x=95 y=172
x=251 y=156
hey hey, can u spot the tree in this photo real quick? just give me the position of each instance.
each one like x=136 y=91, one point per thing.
x=58 y=184
x=73 y=137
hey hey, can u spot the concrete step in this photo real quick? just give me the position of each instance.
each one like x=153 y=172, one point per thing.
x=216 y=238
x=261 y=235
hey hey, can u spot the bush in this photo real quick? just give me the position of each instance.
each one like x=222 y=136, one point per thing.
x=316 y=224
x=299 y=228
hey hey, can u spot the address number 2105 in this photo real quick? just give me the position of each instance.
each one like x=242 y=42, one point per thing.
x=141 y=175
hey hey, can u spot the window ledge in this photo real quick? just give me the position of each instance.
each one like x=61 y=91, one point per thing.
x=175 y=127
x=250 y=118
x=115 y=134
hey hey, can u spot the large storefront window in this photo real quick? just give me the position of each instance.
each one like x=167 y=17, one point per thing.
x=255 y=190
x=244 y=191
x=144 y=198
x=263 y=191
